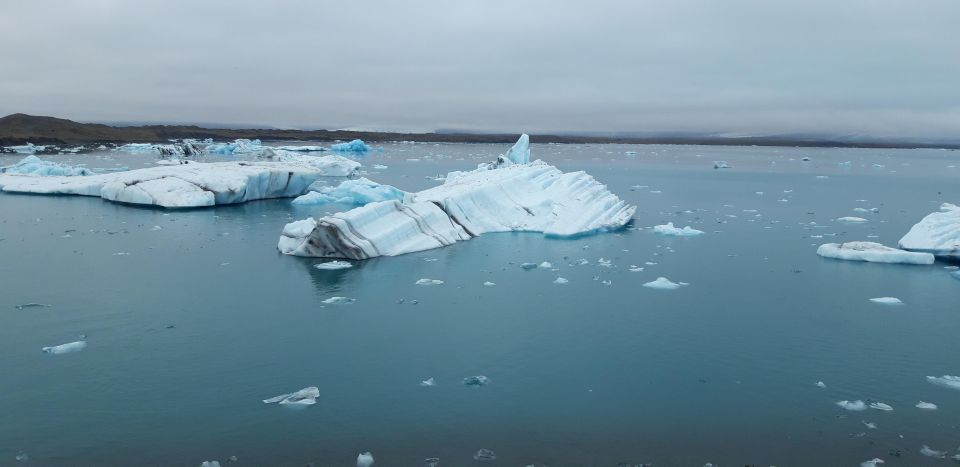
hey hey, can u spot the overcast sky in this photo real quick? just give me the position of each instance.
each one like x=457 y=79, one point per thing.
x=877 y=67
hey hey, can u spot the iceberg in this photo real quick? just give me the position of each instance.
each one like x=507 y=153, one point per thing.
x=357 y=192
x=499 y=197
x=930 y=452
x=331 y=165
x=33 y=165
x=881 y=406
x=872 y=462
x=938 y=233
x=872 y=252
x=339 y=301
x=663 y=283
x=669 y=229
x=356 y=146
x=947 y=381
x=429 y=282
x=69 y=347
x=180 y=186
x=857 y=405
x=304 y=397
x=365 y=459
x=721 y=165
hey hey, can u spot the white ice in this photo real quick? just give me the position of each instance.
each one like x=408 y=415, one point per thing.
x=669 y=229
x=947 y=381
x=357 y=192
x=938 y=233
x=365 y=459
x=926 y=405
x=821 y=384
x=887 y=300
x=851 y=220
x=179 y=186
x=339 y=301
x=560 y=280
x=857 y=405
x=881 y=406
x=872 y=462
x=429 y=382
x=33 y=165
x=533 y=197
x=872 y=252
x=304 y=397
x=663 y=283
x=333 y=265
x=301 y=148
x=69 y=347
x=489 y=284
x=237 y=147
x=28 y=148
x=930 y=452
x=429 y=282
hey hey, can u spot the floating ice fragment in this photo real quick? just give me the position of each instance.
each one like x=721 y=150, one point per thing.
x=339 y=301
x=881 y=406
x=365 y=459
x=528 y=265
x=69 y=347
x=333 y=265
x=475 y=381
x=34 y=166
x=938 y=233
x=604 y=262
x=669 y=229
x=872 y=462
x=304 y=148
x=930 y=452
x=635 y=268
x=429 y=282
x=32 y=305
x=22 y=456
x=721 y=165
x=872 y=252
x=821 y=384
x=210 y=464
x=156 y=227
x=856 y=405
x=947 y=381
x=485 y=455
x=432 y=462
x=429 y=382
x=304 y=397
x=355 y=146
x=887 y=300
x=869 y=425
x=851 y=220
x=560 y=280
x=926 y=405
x=489 y=284
x=356 y=192
x=380 y=167
x=663 y=283
x=546 y=265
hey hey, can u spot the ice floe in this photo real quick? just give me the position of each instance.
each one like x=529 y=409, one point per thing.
x=355 y=146
x=357 y=192
x=663 y=283
x=947 y=381
x=179 y=186
x=485 y=455
x=856 y=405
x=499 y=197
x=304 y=397
x=33 y=165
x=339 y=301
x=237 y=147
x=301 y=148
x=331 y=165
x=930 y=452
x=429 y=282
x=333 y=265
x=872 y=252
x=365 y=459
x=872 y=462
x=926 y=405
x=851 y=220
x=938 y=233
x=69 y=347
x=881 y=406
x=669 y=229
x=887 y=300
x=476 y=380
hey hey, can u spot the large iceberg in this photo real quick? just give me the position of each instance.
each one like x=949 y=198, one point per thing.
x=186 y=148
x=938 y=233
x=358 y=192
x=872 y=252
x=33 y=165
x=180 y=186
x=501 y=197
x=356 y=146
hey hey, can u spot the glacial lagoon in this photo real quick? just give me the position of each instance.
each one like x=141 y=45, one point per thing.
x=192 y=318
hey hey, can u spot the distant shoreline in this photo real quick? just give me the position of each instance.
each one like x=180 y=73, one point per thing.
x=19 y=129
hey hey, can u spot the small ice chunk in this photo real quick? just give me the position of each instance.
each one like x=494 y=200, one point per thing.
x=302 y=398
x=22 y=456
x=930 y=452
x=856 y=405
x=32 y=305
x=485 y=455
x=721 y=165
x=479 y=380
x=887 y=300
x=339 y=301
x=489 y=284
x=429 y=282
x=851 y=220
x=869 y=425
x=380 y=167
x=821 y=384
x=333 y=265
x=872 y=462
x=69 y=347
x=365 y=459
x=926 y=405
x=881 y=406
x=528 y=266
x=872 y=252
x=669 y=229
x=429 y=382
x=560 y=280
x=663 y=283
x=546 y=265
x=947 y=381
x=210 y=464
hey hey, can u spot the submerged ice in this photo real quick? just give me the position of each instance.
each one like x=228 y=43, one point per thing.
x=500 y=197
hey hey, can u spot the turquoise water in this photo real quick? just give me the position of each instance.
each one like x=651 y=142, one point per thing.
x=199 y=321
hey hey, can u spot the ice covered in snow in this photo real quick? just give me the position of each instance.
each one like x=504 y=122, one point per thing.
x=533 y=197
x=938 y=233
x=357 y=192
x=304 y=397
x=333 y=265
x=69 y=347
x=355 y=146
x=663 y=283
x=179 y=186
x=331 y=165
x=872 y=252
x=851 y=220
x=33 y=165
x=947 y=381
x=926 y=405
x=887 y=300
x=857 y=405
x=669 y=229
x=365 y=459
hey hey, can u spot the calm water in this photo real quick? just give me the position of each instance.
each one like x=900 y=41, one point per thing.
x=581 y=374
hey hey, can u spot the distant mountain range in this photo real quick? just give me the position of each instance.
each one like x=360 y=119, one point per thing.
x=22 y=128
